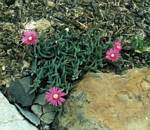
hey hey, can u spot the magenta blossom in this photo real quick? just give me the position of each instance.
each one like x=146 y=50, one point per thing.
x=30 y=37
x=117 y=45
x=112 y=55
x=55 y=96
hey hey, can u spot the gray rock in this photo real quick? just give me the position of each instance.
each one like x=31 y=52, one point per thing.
x=37 y=109
x=47 y=108
x=47 y=117
x=8 y=112
x=17 y=125
x=29 y=115
x=10 y=117
x=19 y=91
x=40 y=99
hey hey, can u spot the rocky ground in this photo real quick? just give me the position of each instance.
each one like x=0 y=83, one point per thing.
x=120 y=104
x=118 y=18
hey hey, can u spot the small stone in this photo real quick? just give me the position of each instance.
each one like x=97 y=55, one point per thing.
x=47 y=118
x=67 y=29
x=30 y=26
x=46 y=127
x=6 y=82
x=47 y=108
x=50 y=4
x=37 y=109
x=42 y=25
x=3 y=67
x=40 y=99
x=25 y=64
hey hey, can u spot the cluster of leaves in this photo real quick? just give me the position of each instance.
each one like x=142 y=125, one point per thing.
x=140 y=44
x=63 y=58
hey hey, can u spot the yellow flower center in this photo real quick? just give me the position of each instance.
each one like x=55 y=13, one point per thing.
x=30 y=38
x=118 y=47
x=55 y=96
x=112 y=55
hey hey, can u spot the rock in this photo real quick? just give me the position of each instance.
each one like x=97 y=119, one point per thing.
x=29 y=115
x=47 y=108
x=48 y=114
x=40 y=99
x=7 y=110
x=50 y=4
x=46 y=127
x=37 y=109
x=42 y=24
x=43 y=110
x=39 y=25
x=17 y=125
x=106 y=101
x=25 y=64
x=30 y=25
x=10 y=117
x=47 y=117
x=19 y=90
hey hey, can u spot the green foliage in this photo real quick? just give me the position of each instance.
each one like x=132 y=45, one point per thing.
x=63 y=57
x=140 y=44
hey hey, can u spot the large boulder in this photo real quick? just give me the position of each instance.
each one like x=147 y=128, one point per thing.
x=106 y=101
x=10 y=118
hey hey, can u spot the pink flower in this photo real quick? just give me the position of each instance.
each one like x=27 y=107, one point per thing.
x=54 y=96
x=112 y=55
x=30 y=38
x=117 y=45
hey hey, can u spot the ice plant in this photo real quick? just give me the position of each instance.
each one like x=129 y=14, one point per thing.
x=117 y=45
x=55 y=96
x=30 y=37
x=112 y=55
